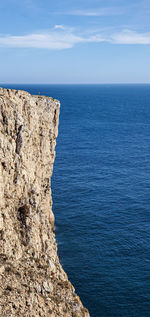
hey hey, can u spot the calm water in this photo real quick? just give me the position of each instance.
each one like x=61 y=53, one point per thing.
x=101 y=194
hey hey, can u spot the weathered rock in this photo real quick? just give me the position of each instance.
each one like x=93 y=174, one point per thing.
x=32 y=281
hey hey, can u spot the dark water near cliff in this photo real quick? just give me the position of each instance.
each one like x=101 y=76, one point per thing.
x=101 y=194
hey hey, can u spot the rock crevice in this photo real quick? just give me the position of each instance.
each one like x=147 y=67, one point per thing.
x=32 y=280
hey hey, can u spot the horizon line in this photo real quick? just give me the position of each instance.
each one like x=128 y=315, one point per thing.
x=105 y=83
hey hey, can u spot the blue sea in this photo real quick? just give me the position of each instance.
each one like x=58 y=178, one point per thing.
x=101 y=194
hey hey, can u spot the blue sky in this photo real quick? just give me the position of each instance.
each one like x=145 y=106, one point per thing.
x=86 y=41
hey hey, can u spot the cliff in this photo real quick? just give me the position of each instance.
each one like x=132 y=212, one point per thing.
x=32 y=281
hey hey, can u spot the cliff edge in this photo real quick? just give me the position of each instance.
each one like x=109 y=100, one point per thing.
x=32 y=281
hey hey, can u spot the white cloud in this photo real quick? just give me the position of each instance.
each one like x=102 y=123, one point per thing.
x=54 y=40
x=61 y=37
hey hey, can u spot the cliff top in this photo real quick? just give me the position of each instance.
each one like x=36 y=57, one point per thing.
x=22 y=93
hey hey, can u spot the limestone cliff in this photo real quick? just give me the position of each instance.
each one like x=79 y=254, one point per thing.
x=32 y=281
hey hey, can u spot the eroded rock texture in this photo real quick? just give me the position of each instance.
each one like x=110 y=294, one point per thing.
x=32 y=281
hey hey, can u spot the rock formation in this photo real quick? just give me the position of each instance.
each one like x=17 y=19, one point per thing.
x=32 y=281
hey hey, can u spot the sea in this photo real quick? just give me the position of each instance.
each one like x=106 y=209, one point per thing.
x=101 y=194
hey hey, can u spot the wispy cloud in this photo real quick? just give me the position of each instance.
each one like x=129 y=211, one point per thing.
x=108 y=11
x=130 y=37
x=59 y=26
x=61 y=37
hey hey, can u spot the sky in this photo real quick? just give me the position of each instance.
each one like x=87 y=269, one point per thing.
x=72 y=41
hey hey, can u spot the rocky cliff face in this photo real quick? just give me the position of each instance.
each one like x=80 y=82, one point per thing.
x=32 y=281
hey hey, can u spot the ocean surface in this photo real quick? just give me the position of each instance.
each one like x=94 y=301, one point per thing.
x=101 y=194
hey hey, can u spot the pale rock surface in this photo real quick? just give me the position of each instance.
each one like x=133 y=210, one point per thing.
x=32 y=281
